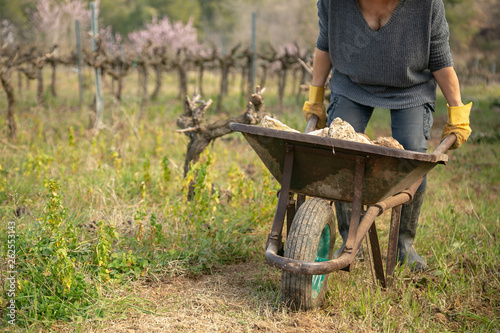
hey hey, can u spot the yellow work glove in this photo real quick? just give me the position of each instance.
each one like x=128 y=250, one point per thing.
x=458 y=124
x=315 y=106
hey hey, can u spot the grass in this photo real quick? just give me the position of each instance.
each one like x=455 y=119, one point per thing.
x=103 y=225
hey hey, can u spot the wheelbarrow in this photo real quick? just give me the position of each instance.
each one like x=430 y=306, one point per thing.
x=328 y=170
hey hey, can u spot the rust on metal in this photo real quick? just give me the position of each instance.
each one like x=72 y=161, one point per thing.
x=300 y=200
x=345 y=259
x=393 y=243
x=279 y=215
x=318 y=172
x=377 y=256
x=382 y=178
x=290 y=212
x=359 y=174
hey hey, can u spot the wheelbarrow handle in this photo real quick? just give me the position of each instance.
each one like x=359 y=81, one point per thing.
x=311 y=124
x=445 y=144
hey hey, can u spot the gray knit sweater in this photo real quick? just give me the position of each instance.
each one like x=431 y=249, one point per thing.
x=391 y=67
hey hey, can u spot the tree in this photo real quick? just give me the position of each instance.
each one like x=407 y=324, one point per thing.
x=14 y=11
x=461 y=15
x=126 y=16
x=16 y=57
x=55 y=21
x=164 y=40
x=174 y=36
x=201 y=134
x=178 y=10
x=117 y=14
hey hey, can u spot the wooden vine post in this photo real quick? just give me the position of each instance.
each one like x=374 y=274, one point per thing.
x=95 y=49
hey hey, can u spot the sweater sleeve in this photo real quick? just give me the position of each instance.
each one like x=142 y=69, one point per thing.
x=440 y=54
x=322 y=41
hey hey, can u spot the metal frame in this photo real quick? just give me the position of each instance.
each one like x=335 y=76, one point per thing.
x=286 y=205
x=359 y=228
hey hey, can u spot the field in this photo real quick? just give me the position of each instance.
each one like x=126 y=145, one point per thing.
x=107 y=241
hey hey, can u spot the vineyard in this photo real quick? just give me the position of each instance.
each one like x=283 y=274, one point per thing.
x=68 y=37
x=31 y=63
x=126 y=202
x=161 y=49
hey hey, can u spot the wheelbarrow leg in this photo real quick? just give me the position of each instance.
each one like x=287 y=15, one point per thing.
x=378 y=268
x=393 y=242
x=300 y=200
x=279 y=215
x=377 y=256
x=359 y=175
x=290 y=212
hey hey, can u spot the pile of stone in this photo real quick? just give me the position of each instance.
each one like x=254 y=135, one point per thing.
x=338 y=129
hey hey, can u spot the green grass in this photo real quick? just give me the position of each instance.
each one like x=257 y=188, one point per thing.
x=121 y=215
x=122 y=195
x=458 y=235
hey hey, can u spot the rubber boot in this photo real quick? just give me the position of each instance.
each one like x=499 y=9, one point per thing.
x=407 y=231
x=343 y=211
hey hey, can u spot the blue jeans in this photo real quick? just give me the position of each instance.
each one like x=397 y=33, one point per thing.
x=411 y=127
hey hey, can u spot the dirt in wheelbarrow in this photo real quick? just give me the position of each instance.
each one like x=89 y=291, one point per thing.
x=239 y=298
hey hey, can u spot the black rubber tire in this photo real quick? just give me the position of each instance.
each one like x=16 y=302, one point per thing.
x=311 y=220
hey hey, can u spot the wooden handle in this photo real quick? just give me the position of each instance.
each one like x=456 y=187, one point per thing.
x=311 y=124
x=446 y=144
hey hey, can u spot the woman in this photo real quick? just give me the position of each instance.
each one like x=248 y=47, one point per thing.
x=387 y=54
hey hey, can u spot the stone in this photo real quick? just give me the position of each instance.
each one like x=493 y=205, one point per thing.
x=268 y=122
x=342 y=130
x=321 y=132
x=338 y=129
x=388 y=142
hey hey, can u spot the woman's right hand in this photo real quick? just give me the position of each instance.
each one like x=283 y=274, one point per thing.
x=315 y=105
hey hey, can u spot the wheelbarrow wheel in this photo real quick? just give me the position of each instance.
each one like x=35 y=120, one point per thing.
x=311 y=238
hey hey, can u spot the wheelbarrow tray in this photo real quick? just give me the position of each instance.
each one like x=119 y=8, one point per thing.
x=325 y=167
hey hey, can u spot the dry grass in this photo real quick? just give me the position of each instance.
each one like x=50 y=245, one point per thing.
x=458 y=237
x=240 y=298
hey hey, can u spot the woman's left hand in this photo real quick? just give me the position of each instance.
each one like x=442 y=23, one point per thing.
x=458 y=124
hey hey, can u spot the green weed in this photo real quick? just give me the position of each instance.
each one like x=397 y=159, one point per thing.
x=50 y=273
x=104 y=248
x=129 y=178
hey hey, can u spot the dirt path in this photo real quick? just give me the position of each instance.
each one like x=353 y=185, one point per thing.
x=241 y=298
